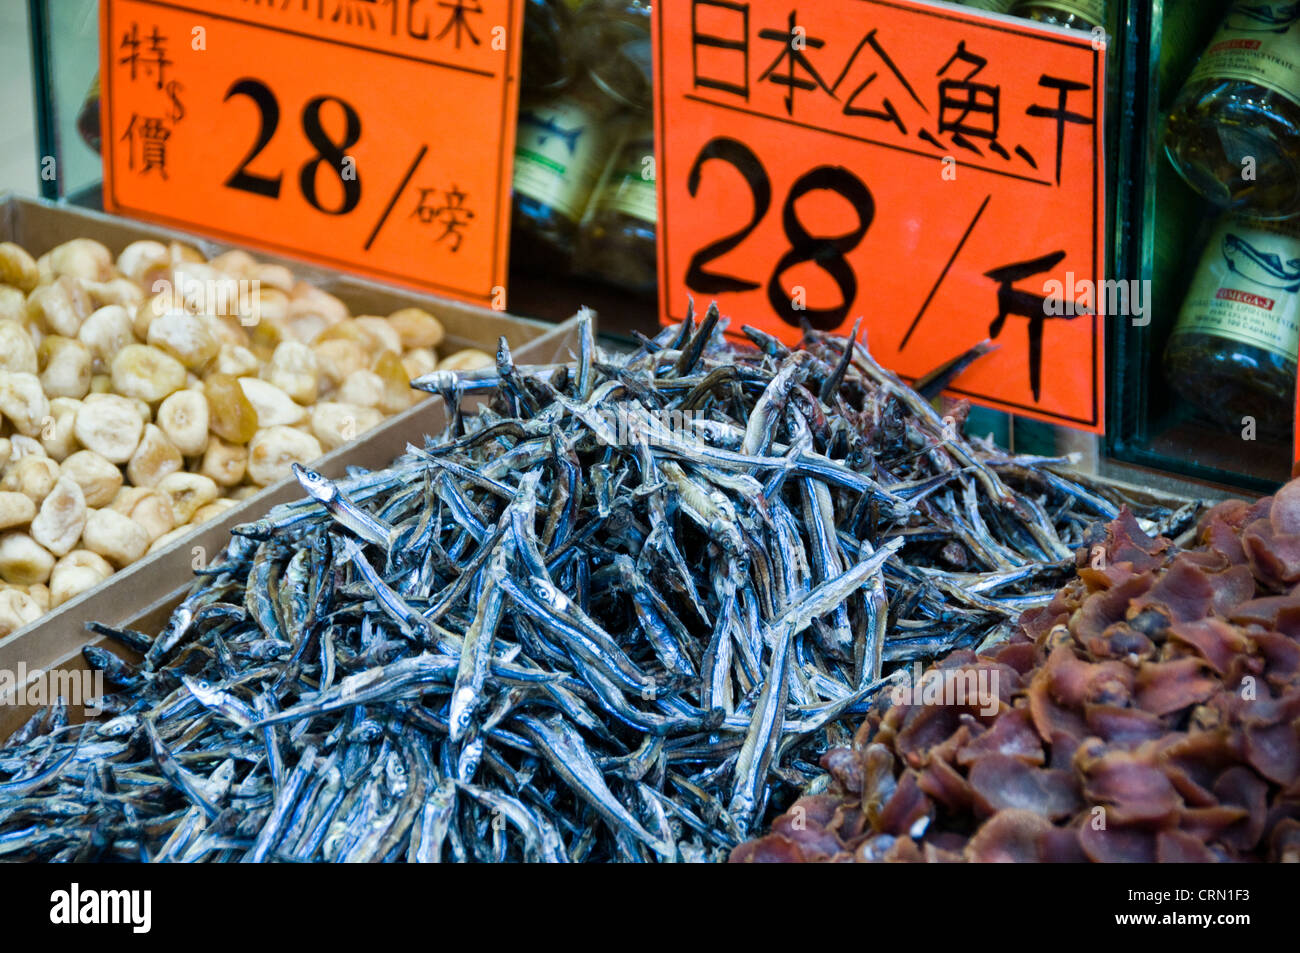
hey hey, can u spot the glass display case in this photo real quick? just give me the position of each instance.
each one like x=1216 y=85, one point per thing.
x=1203 y=383
x=65 y=64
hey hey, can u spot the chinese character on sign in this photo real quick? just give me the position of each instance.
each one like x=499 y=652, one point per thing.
x=1063 y=87
x=359 y=12
x=153 y=61
x=452 y=215
x=458 y=21
x=734 y=17
x=794 y=40
x=1025 y=304
x=886 y=111
x=150 y=133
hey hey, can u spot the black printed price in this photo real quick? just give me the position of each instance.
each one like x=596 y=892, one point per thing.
x=825 y=251
x=328 y=152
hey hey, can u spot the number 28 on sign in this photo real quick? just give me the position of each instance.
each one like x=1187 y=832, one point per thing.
x=936 y=172
x=367 y=136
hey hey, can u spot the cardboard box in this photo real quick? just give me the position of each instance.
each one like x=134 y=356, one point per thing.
x=142 y=595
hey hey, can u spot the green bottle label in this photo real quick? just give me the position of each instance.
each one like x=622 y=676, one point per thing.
x=630 y=188
x=558 y=156
x=1247 y=288
x=1258 y=43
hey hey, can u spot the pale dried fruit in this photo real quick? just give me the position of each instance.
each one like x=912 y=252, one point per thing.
x=294 y=370
x=241 y=493
x=397 y=394
x=231 y=415
x=18 y=268
x=307 y=299
x=225 y=463
x=154 y=458
x=117 y=538
x=40 y=594
x=364 y=389
x=13 y=305
x=417 y=328
x=140 y=260
x=59 y=308
x=66 y=364
x=274 y=407
x=338 y=360
x=383 y=336
x=236 y=361
x=17 y=353
x=211 y=511
x=266 y=304
x=23 y=402
x=184 y=418
x=187 y=337
x=16 y=509
x=23 y=561
x=419 y=362
x=277 y=277
x=188 y=491
x=98 y=478
x=77 y=572
x=235 y=262
x=146 y=373
x=33 y=476
x=109 y=425
x=152 y=510
x=115 y=291
x=127 y=497
x=58 y=525
x=6 y=450
x=82 y=258
x=101 y=384
x=57 y=433
x=17 y=609
x=334 y=423
x=20 y=446
x=273 y=451
x=469 y=359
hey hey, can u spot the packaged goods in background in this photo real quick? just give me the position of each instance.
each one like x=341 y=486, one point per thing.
x=1234 y=131
x=146 y=392
x=565 y=141
x=1076 y=14
x=617 y=235
x=1233 y=350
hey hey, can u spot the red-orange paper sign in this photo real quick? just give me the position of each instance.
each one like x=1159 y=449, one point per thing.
x=372 y=136
x=935 y=171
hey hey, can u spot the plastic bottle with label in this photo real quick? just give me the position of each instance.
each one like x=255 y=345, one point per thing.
x=1076 y=14
x=1233 y=350
x=617 y=236
x=1234 y=131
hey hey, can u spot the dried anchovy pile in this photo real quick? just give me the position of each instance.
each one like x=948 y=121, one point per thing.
x=570 y=627
x=1150 y=712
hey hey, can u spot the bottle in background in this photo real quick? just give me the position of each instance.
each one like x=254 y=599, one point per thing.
x=1234 y=131
x=1233 y=350
x=617 y=235
x=1076 y=14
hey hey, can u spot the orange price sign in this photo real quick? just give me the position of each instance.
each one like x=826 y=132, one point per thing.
x=372 y=137
x=937 y=172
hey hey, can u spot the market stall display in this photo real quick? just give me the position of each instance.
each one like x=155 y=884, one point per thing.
x=1146 y=714
x=629 y=646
